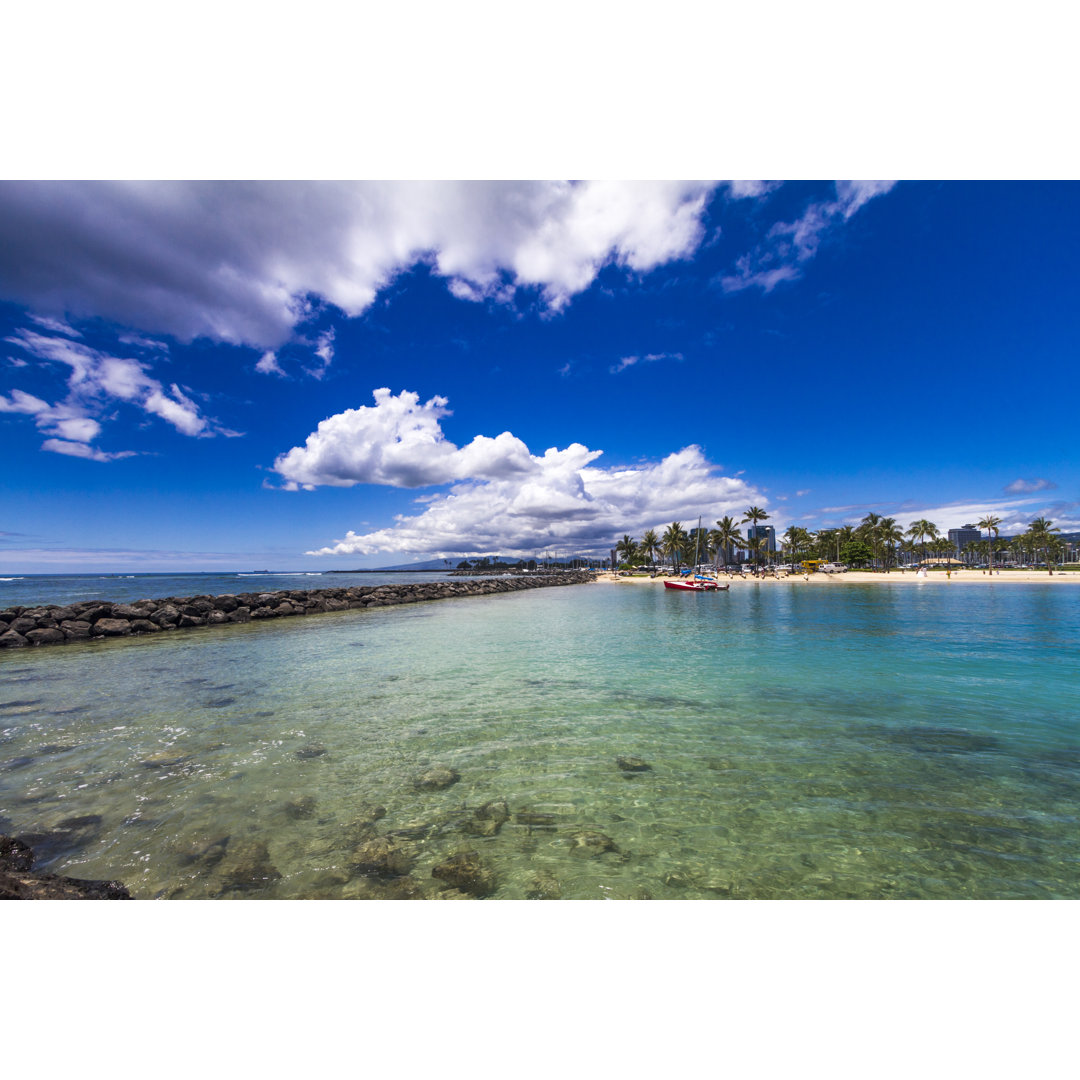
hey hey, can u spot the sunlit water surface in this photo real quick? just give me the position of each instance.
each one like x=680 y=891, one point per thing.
x=878 y=741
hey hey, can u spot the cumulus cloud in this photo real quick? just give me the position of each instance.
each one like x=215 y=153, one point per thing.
x=788 y=246
x=564 y=502
x=1026 y=487
x=95 y=381
x=239 y=262
x=502 y=498
x=398 y=441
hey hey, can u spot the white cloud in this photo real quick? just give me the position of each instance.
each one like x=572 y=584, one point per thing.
x=788 y=246
x=752 y=189
x=1025 y=487
x=398 y=442
x=268 y=364
x=565 y=503
x=96 y=380
x=237 y=262
x=81 y=450
x=648 y=358
x=1014 y=514
x=56 y=326
x=502 y=498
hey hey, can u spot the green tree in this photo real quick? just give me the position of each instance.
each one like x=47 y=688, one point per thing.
x=650 y=545
x=1041 y=531
x=922 y=531
x=753 y=515
x=728 y=537
x=627 y=548
x=855 y=552
x=868 y=531
x=891 y=537
x=990 y=524
x=673 y=543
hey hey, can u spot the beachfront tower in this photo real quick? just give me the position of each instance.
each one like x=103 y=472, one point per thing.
x=767 y=533
x=960 y=538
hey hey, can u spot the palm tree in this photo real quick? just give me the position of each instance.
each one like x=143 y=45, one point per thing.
x=627 y=546
x=922 y=530
x=844 y=535
x=673 y=543
x=650 y=545
x=990 y=524
x=1041 y=531
x=891 y=536
x=728 y=537
x=869 y=528
x=753 y=515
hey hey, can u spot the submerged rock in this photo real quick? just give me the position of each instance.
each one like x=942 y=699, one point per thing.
x=304 y=807
x=246 y=865
x=587 y=842
x=437 y=778
x=312 y=750
x=633 y=764
x=533 y=818
x=383 y=857
x=545 y=887
x=468 y=872
x=165 y=759
x=496 y=810
x=488 y=819
x=19 y=881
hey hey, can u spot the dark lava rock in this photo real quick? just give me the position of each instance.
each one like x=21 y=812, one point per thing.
x=468 y=872
x=48 y=636
x=12 y=640
x=632 y=764
x=19 y=882
x=15 y=855
x=29 y=886
x=383 y=857
x=588 y=842
x=75 y=629
x=312 y=750
x=111 y=628
x=437 y=778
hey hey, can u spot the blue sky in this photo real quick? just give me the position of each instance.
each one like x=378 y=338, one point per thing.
x=286 y=375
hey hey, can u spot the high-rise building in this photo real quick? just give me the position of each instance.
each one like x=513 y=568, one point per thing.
x=960 y=538
x=766 y=532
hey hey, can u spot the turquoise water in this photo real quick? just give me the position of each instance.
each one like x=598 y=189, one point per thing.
x=871 y=741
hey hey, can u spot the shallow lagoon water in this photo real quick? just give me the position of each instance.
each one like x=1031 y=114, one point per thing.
x=849 y=742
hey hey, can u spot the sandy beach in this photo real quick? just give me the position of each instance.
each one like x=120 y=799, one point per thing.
x=865 y=577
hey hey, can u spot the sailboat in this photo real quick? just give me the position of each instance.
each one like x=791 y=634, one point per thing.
x=699 y=582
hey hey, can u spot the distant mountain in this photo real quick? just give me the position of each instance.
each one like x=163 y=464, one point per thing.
x=430 y=564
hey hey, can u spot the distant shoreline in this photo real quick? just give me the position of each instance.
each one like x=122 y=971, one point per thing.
x=867 y=577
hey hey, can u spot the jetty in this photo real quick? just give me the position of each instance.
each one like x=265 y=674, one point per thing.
x=97 y=620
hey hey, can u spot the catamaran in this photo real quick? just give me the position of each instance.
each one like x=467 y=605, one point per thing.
x=699 y=582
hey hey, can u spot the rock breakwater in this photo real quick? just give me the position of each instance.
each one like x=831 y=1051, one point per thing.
x=92 y=620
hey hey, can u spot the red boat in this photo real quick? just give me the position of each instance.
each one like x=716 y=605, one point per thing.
x=702 y=585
